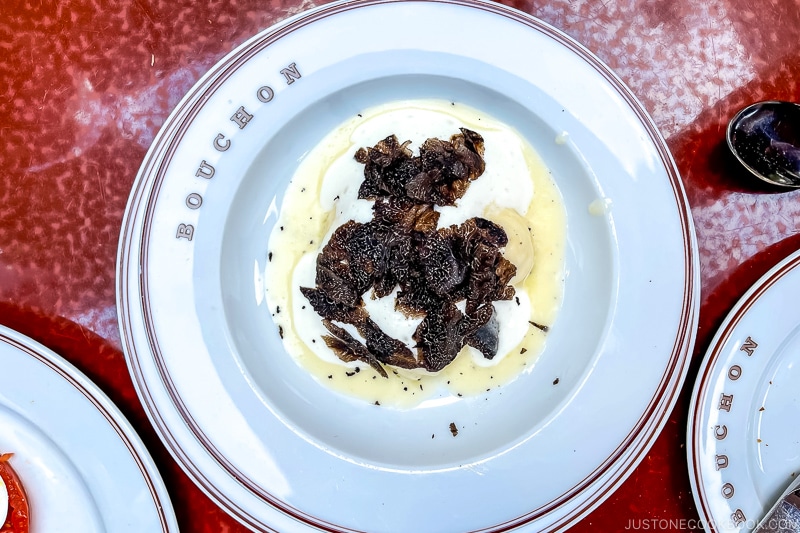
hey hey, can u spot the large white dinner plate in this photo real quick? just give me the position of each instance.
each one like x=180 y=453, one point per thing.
x=82 y=465
x=744 y=447
x=281 y=452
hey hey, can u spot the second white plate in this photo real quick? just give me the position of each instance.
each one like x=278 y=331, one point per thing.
x=82 y=465
x=744 y=444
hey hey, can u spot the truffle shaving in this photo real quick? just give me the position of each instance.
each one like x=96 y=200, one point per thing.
x=432 y=268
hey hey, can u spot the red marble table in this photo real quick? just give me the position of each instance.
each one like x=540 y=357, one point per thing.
x=85 y=85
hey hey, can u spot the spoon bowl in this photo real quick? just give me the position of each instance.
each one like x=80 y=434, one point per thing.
x=765 y=138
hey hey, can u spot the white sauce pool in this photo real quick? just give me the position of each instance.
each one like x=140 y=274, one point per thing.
x=516 y=191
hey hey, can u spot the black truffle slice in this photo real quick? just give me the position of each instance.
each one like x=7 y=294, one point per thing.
x=443 y=267
x=385 y=348
x=485 y=338
x=440 y=175
x=405 y=215
x=388 y=166
x=348 y=348
x=438 y=338
x=327 y=308
x=335 y=276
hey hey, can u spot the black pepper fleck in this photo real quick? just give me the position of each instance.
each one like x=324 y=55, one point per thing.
x=539 y=326
x=555 y=381
x=453 y=429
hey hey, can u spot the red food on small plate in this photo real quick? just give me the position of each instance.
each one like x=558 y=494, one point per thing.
x=13 y=501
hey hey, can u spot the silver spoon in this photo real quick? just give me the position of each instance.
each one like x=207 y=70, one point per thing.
x=765 y=138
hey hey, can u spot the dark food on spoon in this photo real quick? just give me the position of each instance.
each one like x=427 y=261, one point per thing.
x=435 y=269
x=765 y=137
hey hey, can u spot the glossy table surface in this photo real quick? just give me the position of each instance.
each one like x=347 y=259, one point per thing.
x=85 y=86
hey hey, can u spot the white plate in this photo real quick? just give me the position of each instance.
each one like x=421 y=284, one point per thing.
x=280 y=452
x=83 y=467
x=744 y=444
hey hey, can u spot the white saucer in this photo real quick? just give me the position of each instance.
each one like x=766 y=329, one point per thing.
x=744 y=445
x=82 y=465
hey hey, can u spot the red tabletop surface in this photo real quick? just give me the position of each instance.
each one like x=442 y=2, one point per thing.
x=86 y=84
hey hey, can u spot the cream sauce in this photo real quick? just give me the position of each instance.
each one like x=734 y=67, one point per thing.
x=516 y=191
